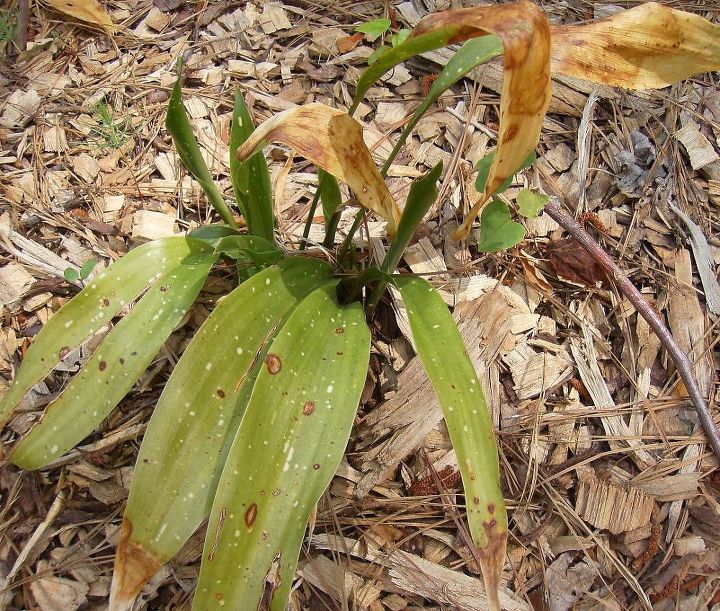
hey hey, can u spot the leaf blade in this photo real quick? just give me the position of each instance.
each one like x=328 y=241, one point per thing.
x=196 y=418
x=92 y=308
x=442 y=351
x=251 y=524
x=497 y=229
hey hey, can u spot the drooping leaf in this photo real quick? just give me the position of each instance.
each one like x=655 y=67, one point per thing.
x=94 y=307
x=423 y=193
x=645 y=47
x=375 y=28
x=443 y=353
x=484 y=166
x=288 y=446
x=531 y=203
x=525 y=34
x=473 y=53
x=196 y=418
x=251 y=180
x=333 y=141
x=497 y=229
x=178 y=124
x=116 y=365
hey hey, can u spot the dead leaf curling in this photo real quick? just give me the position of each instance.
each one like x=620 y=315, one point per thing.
x=89 y=11
x=332 y=140
x=645 y=47
x=525 y=33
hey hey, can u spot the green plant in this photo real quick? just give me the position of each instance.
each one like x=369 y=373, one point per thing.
x=377 y=28
x=111 y=132
x=8 y=25
x=73 y=275
x=254 y=419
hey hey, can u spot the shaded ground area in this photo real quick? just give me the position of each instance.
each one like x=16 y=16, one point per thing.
x=614 y=501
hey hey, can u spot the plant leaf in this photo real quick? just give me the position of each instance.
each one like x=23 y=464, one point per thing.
x=531 y=203
x=330 y=196
x=288 y=446
x=484 y=166
x=442 y=351
x=251 y=180
x=423 y=193
x=333 y=141
x=196 y=418
x=497 y=229
x=89 y=11
x=115 y=366
x=178 y=124
x=258 y=250
x=644 y=47
x=375 y=28
x=473 y=53
x=94 y=307
x=87 y=268
x=71 y=274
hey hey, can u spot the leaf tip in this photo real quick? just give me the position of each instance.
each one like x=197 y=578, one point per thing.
x=134 y=565
x=492 y=560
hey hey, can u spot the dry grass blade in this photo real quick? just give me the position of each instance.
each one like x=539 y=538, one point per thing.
x=333 y=141
x=645 y=47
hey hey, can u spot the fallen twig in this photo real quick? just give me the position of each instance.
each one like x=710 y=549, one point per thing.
x=635 y=297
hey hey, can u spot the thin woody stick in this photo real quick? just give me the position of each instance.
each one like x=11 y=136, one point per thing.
x=635 y=297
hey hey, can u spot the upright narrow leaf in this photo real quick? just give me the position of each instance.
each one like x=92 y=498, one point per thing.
x=287 y=449
x=196 y=418
x=251 y=180
x=116 y=287
x=178 y=125
x=333 y=141
x=443 y=353
x=116 y=365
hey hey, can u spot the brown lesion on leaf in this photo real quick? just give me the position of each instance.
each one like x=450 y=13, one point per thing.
x=308 y=408
x=273 y=363
x=102 y=366
x=220 y=393
x=492 y=559
x=134 y=566
x=250 y=516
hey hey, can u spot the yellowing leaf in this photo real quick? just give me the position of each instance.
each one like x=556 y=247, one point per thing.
x=332 y=140
x=525 y=33
x=648 y=46
x=89 y=11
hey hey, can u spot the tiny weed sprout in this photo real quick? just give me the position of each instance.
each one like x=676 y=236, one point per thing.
x=255 y=417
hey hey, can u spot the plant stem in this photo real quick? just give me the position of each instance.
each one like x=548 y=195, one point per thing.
x=643 y=307
x=311 y=215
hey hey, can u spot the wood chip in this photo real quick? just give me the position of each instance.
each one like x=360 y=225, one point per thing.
x=698 y=147
x=15 y=282
x=612 y=507
x=58 y=594
x=149 y=225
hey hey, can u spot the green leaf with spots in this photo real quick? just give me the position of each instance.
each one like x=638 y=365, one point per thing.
x=473 y=53
x=286 y=451
x=116 y=365
x=452 y=374
x=196 y=418
x=251 y=179
x=116 y=287
x=530 y=204
x=497 y=229
x=374 y=29
x=178 y=124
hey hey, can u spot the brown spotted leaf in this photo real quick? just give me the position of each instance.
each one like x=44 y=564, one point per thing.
x=525 y=34
x=648 y=46
x=332 y=140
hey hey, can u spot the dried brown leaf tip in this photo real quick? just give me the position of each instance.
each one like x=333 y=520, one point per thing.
x=525 y=34
x=645 y=47
x=332 y=140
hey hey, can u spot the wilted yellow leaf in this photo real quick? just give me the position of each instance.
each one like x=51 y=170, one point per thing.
x=645 y=47
x=332 y=140
x=525 y=33
x=90 y=11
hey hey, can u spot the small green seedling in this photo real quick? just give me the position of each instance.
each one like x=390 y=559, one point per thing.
x=74 y=275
